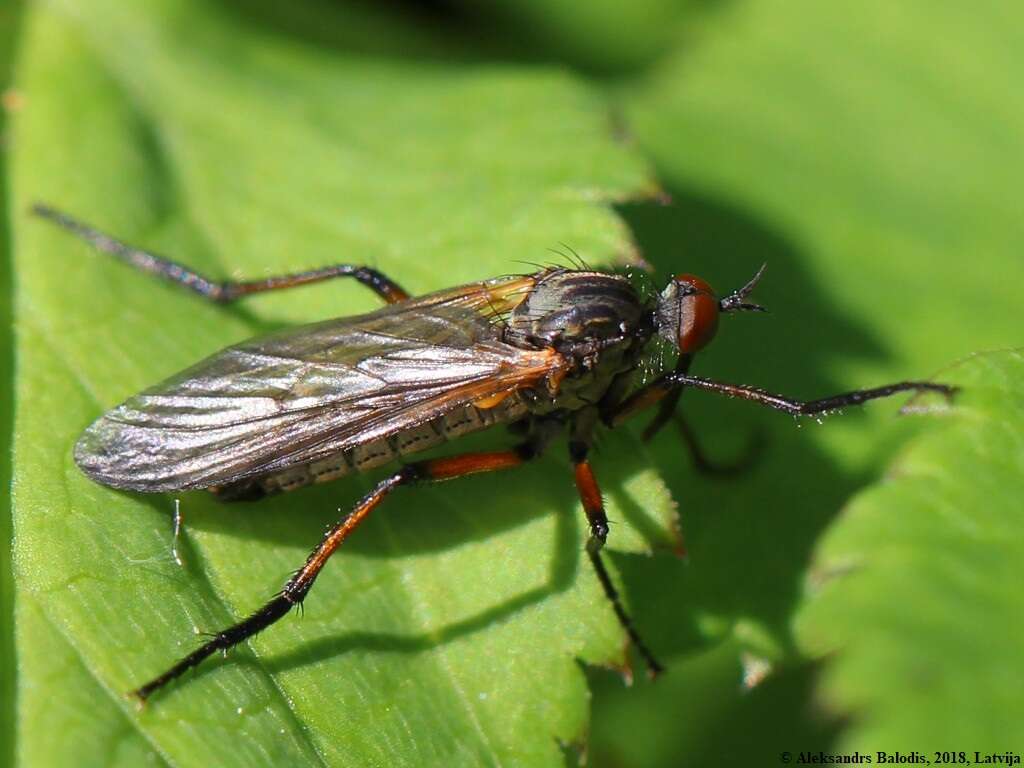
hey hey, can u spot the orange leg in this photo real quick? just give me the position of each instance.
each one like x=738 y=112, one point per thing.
x=593 y=506
x=298 y=586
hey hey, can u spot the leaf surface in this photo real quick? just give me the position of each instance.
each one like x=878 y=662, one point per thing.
x=917 y=588
x=869 y=153
x=449 y=631
x=10 y=16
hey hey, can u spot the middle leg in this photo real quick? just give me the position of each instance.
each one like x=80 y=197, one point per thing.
x=593 y=506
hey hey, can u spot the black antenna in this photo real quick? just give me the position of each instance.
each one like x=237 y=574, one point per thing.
x=734 y=302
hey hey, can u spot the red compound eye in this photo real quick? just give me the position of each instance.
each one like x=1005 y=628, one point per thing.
x=698 y=313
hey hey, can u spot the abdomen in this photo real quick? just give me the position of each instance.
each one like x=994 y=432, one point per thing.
x=363 y=457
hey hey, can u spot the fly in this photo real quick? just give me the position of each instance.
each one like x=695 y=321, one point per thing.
x=550 y=352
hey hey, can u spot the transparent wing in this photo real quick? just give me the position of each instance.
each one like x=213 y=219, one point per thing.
x=309 y=392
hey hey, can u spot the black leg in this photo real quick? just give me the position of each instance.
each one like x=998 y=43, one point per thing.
x=668 y=383
x=667 y=407
x=221 y=292
x=298 y=586
x=593 y=506
x=707 y=466
x=667 y=411
x=801 y=407
x=615 y=413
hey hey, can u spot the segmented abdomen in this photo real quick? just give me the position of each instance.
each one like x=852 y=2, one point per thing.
x=459 y=422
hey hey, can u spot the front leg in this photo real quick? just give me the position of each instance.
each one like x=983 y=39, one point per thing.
x=804 y=407
x=669 y=403
x=675 y=381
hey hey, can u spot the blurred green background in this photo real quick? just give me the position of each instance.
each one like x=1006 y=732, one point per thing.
x=868 y=152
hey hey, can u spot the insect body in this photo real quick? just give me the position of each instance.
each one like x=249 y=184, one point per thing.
x=551 y=352
x=320 y=401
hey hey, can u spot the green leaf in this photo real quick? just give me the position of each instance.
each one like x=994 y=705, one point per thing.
x=93 y=729
x=10 y=16
x=918 y=584
x=696 y=709
x=869 y=153
x=449 y=631
x=603 y=37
